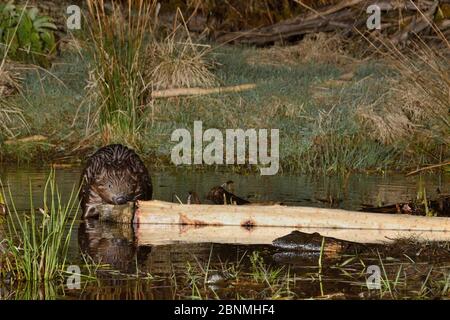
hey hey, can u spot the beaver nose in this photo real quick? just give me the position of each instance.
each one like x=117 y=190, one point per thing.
x=120 y=200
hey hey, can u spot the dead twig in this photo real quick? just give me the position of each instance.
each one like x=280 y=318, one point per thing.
x=434 y=166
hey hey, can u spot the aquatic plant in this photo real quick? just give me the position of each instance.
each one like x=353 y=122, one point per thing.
x=261 y=272
x=33 y=290
x=38 y=242
x=193 y=279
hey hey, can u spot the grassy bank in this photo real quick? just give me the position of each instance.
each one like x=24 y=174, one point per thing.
x=336 y=112
x=318 y=115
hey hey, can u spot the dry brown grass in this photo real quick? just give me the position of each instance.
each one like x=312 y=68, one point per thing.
x=178 y=62
x=130 y=60
x=9 y=79
x=11 y=117
x=417 y=104
x=11 y=120
x=314 y=48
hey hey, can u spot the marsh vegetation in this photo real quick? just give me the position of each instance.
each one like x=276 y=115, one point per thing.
x=338 y=109
x=354 y=111
x=114 y=264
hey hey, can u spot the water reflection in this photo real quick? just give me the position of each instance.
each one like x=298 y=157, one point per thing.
x=142 y=270
x=30 y=290
x=116 y=245
x=111 y=244
x=348 y=192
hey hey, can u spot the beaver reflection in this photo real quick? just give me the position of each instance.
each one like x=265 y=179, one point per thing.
x=117 y=246
x=113 y=175
x=111 y=244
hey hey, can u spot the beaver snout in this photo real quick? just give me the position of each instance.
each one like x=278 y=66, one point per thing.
x=120 y=200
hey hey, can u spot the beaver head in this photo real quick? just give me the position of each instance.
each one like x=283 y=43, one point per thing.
x=113 y=175
x=116 y=185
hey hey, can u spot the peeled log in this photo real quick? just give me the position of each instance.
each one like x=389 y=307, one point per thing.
x=159 y=212
x=163 y=234
x=158 y=222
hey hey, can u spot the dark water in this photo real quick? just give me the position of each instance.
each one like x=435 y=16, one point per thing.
x=127 y=270
x=351 y=192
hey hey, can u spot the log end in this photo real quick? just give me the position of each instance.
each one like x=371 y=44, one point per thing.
x=117 y=213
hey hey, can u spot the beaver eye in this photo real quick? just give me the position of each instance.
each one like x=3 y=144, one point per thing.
x=109 y=185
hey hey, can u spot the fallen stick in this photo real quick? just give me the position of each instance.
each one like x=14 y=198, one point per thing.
x=345 y=17
x=35 y=138
x=169 y=93
x=417 y=25
x=341 y=5
x=434 y=166
x=159 y=212
x=292 y=27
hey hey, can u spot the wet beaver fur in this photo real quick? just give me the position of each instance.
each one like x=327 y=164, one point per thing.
x=113 y=175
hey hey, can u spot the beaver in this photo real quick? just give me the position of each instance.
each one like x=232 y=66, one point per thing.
x=113 y=175
x=221 y=195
